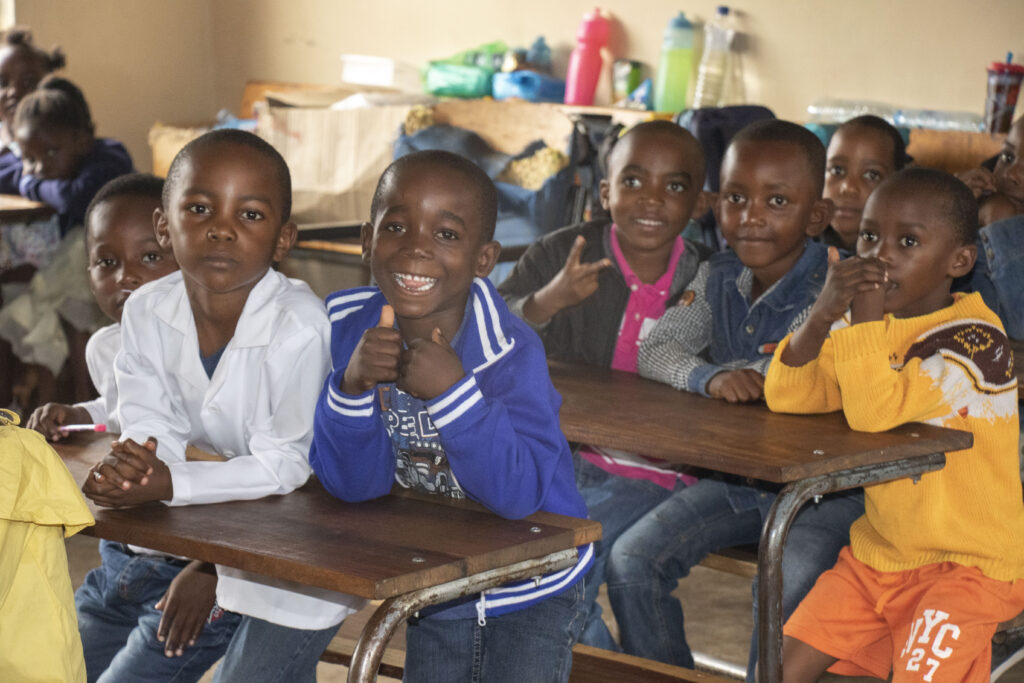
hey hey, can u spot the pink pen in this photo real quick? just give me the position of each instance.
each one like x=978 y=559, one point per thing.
x=83 y=428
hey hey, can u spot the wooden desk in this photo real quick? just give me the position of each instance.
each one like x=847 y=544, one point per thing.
x=411 y=551
x=811 y=454
x=16 y=209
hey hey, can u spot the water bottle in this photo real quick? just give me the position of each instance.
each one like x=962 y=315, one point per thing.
x=715 y=61
x=676 y=65
x=585 y=60
x=939 y=120
x=831 y=110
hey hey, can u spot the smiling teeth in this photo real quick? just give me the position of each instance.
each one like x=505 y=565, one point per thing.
x=648 y=221
x=415 y=283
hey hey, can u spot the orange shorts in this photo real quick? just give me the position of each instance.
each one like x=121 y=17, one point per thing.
x=934 y=623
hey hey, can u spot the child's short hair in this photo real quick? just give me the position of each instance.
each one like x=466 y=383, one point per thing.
x=776 y=130
x=486 y=192
x=656 y=126
x=19 y=36
x=57 y=103
x=900 y=158
x=131 y=185
x=233 y=136
x=961 y=208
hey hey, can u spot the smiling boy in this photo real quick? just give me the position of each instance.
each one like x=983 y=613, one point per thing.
x=933 y=565
x=438 y=387
x=719 y=344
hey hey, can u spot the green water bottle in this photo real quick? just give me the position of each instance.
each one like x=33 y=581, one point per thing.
x=675 y=67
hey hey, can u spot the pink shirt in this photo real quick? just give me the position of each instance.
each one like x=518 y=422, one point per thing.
x=646 y=304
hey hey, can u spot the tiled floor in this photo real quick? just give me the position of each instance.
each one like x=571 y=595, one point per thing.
x=718 y=618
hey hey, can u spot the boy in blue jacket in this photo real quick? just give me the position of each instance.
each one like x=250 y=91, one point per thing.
x=474 y=417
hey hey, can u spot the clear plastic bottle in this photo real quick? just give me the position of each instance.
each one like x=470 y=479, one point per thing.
x=831 y=110
x=715 y=61
x=939 y=120
x=676 y=65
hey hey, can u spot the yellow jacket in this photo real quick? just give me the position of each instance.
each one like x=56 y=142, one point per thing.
x=39 y=505
x=951 y=368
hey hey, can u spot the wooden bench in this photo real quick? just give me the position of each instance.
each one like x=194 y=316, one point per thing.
x=589 y=665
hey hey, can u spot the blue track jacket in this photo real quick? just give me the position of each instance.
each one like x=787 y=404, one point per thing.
x=498 y=426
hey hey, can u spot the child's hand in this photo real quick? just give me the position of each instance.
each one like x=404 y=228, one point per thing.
x=131 y=474
x=981 y=181
x=429 y=367
x=571 y=285
x=186 y=606
x=48 y=419
x=845 y=280
x=376 y=357
x=737 y=386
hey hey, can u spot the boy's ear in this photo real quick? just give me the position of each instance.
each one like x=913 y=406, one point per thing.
x=604 y=190
x=821 y=216
x=366 y=236
x=702 y=204
x=163 y=236
x=286 y=237
x=486 y=257
x=962 y=260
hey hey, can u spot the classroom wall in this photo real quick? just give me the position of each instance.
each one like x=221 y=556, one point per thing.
x=138 y=61
x=921 y=53
x=182 y=60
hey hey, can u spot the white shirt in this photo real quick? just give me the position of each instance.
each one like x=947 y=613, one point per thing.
x=100 y=351
x=256 y=410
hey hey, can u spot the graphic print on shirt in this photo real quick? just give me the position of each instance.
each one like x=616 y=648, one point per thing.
x=420 y=461
x=931 y=642
x=981 y=353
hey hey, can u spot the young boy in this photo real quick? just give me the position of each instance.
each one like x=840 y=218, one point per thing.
x=122 y=255
x=437 y=386
x=718 y=343
x=1000 y=191
x=863 y=152
x=934 y=565
x=228 y=356
x=593 y=291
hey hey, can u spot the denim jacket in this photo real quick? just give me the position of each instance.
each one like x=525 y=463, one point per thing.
x=721 y=329
x=999 y=272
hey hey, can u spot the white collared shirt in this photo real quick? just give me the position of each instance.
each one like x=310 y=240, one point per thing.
x=256 y=410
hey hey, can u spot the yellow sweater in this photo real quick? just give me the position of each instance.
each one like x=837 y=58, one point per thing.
x=951 y=368
x=39 y=506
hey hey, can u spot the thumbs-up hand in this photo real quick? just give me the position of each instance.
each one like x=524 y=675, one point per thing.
x=429 y=367
x=376 y=357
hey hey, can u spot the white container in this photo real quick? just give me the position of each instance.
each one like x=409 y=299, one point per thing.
x=715 y=60
x=380 y=72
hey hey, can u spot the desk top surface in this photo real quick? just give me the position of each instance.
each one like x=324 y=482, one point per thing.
x=377 y=549
x=624 y=411
x=15 y=209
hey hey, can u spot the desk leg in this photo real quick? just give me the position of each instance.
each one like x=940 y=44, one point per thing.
x=393 y=611
x=773 y=538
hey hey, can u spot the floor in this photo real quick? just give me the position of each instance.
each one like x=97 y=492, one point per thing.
x=717 y=604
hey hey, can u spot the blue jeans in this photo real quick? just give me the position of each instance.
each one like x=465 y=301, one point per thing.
x=616 y=502
x=815 y=538
x=118 y=622
x=269 y=653
x=648 y=560
x=532 y=644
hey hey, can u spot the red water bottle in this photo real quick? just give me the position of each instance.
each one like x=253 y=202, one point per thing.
x=585 y=60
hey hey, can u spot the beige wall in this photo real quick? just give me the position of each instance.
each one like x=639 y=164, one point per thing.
x=138 y=61
x=182 y=60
